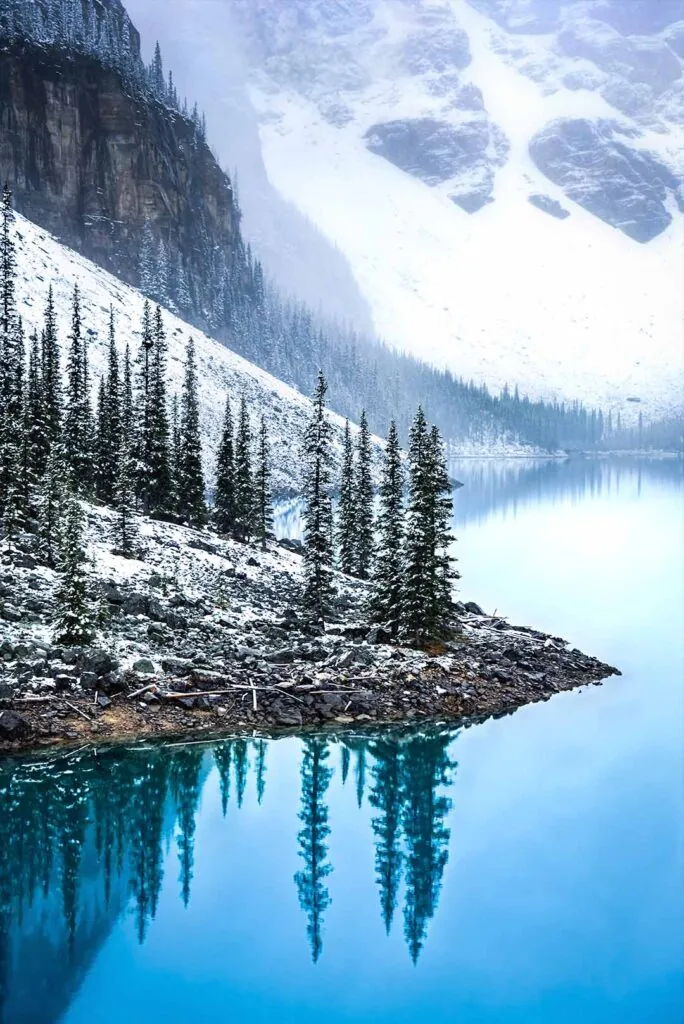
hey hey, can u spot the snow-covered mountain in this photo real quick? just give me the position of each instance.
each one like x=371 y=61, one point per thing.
x=42 y=261
x=503 y=176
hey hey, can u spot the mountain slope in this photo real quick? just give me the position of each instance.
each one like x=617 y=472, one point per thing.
x=42 y=261
x=504 y=185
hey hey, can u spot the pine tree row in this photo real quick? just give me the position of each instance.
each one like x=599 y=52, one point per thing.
x=137 y=453
x=404 y=550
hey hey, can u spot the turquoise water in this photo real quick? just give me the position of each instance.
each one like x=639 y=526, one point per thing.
x=525 y=870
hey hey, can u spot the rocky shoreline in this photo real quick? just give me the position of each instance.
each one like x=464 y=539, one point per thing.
x=203 y=636
x=346 y=675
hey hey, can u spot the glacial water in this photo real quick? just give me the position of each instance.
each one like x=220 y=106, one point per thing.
x=529 y=870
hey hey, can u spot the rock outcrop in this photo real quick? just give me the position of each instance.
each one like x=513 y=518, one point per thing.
x=466 y=154
x=92 y=162
x=593 y=164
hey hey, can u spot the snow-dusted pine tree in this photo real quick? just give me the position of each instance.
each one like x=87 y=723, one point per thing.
x=263 y=501
x=51 y=502
x=426 y=597
x=224 y=502
x=346 y=518
x=385 y=602
x=78 y=418
x=51 y=373
x=364 y=503
x=244 y=479
x=74 y=615
x=191 y=501
x=318 y=514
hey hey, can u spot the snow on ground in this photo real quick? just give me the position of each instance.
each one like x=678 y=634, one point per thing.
x=570 y=309
x=43 y=261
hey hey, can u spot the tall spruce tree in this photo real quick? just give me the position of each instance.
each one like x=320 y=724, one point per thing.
x=244 y=479
x=161 y=485
x=78 y=419
x=263 y=501
x=51 y=374
x=109 y=422
x=224 y=501
x=191 y=501
x=74 y=617
x=144 y=400
x=317 y=514
x=364 y=503
x=386 y=597
x=426 y=597
x=11 y=376
x=36 y=436
x=125 y=534
x=51 y=505
x=346 y=518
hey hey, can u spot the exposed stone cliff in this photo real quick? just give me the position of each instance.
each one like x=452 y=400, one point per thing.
x=92 y=161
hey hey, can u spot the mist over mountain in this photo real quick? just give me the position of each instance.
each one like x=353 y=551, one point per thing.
x=503 y=177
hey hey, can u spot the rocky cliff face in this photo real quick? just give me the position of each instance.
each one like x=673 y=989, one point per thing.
x=93 y=163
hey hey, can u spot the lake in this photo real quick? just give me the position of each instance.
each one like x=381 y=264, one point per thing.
x=524 y=871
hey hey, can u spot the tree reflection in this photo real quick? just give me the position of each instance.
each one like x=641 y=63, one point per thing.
x=314 y=897
x=104 y=821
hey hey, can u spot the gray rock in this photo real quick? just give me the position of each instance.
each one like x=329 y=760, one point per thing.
x=469 y=97
x=13 y=726
x=103 y=701
x=647 y=61
x=155 y=610
x=548 y=205
x=88 y=680
x=136 y=604
x=10 y=613
x=626 y=187
x=65 y=682
x=288 y=716
x=23 y=651
x=473 y=608
x=379 y=635
x=638 y=17
x=97 y=661
x=437 y=151
x=176 y=621
x=144 y=667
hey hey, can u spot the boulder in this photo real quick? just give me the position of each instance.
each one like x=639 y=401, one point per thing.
x=98 y=661
x=144 y=667
x=13 y=726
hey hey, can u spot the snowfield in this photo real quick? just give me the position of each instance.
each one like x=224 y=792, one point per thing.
x=42 y=261
x=568 y=308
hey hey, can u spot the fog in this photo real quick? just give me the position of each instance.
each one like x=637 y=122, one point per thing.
x=200 y=44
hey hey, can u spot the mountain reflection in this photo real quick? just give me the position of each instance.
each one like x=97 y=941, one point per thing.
x=84 y=837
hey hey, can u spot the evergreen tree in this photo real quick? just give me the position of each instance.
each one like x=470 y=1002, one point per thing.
x=74 y=619
x=191 y=503
x=426 y=597
x=11 y=377
x=317 y=514
x=109 y=423
x=175 y=454
x=314 y=897
x=244 y=481
x=51 y=374
x=263 y=499
x=51 y=505
x=364 y=503
x=161 y=483
x=346 y=522
x=385 y=603
x=224 y=504
x=125 y=534
x=36 y=437
x=78 y=422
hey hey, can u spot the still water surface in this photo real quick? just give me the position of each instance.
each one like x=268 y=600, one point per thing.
x=527 y=870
